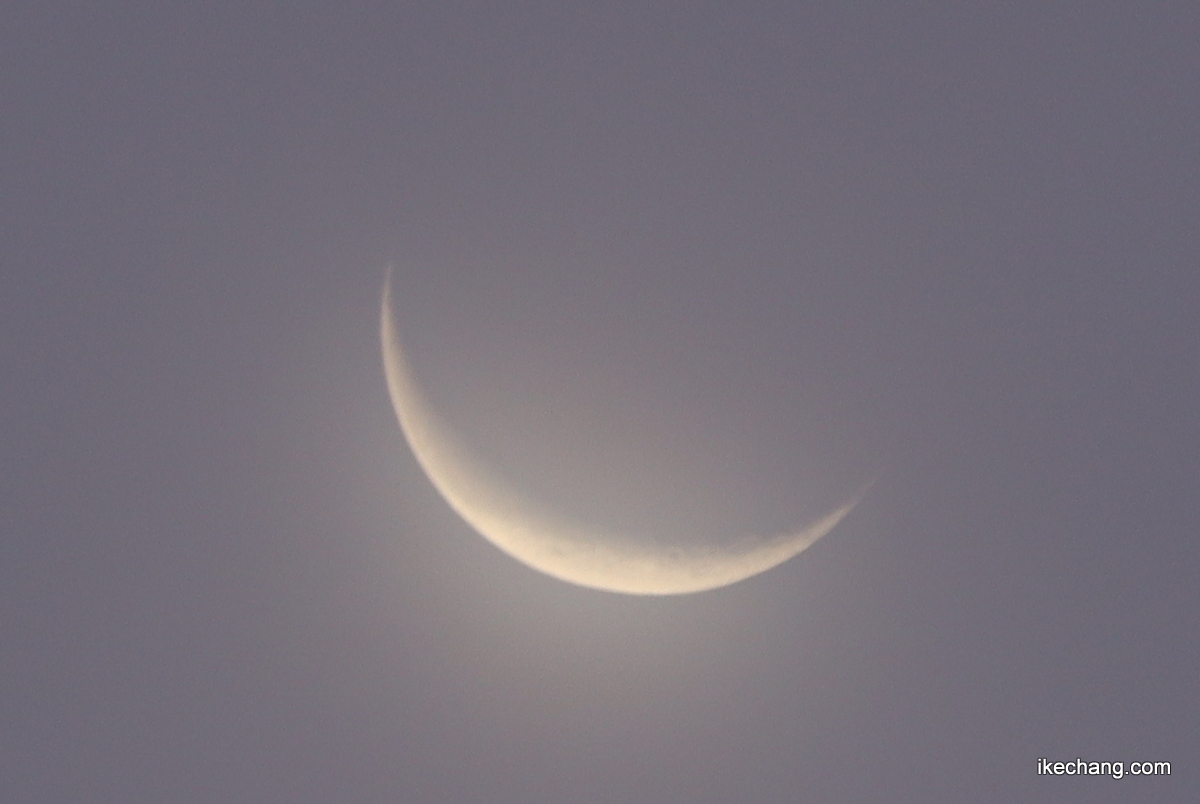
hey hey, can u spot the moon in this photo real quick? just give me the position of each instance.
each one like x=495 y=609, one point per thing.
x=552 y=542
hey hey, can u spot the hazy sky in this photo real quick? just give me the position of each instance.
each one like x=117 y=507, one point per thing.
x=692 y=268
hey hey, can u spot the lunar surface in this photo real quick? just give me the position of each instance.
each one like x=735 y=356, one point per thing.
x=551 y=541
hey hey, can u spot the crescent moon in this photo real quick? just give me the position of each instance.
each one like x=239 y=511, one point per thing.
x=551 y=542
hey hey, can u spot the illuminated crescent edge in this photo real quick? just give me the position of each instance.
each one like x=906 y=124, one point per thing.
x=551 y=543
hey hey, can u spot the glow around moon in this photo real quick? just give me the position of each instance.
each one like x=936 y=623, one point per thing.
x=552 y=542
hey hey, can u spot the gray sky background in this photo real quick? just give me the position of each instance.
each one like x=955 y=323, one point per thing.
x=694 y=268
